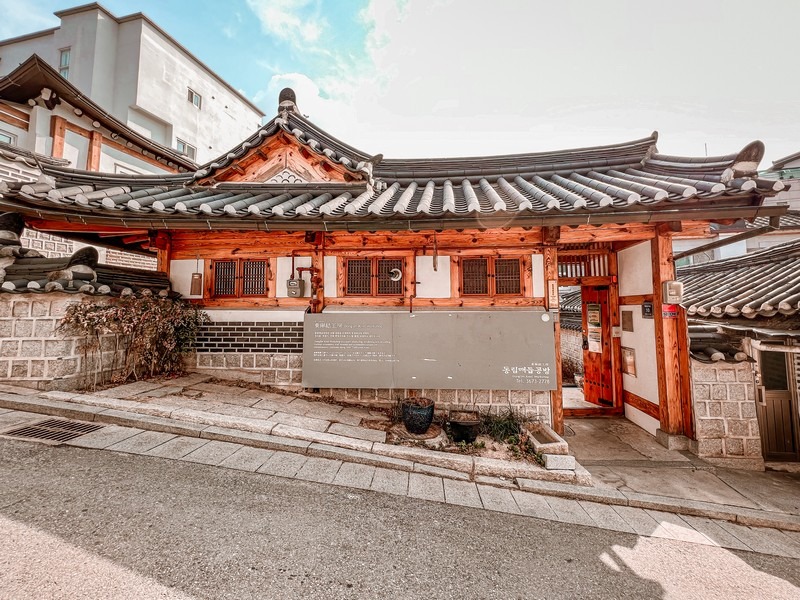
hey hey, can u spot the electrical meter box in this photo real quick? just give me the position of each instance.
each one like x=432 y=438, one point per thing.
x=672 y=292
x=295 y=288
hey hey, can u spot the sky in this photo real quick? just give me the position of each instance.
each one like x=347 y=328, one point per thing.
x=430 y=78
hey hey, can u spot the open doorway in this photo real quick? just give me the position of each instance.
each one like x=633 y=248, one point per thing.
x=586 y=350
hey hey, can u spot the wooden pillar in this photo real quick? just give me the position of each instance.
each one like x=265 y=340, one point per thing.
x=667 y=339
x=318 y=262
x=616 y=342
x=163 y=245
x=551 y=279
x=95 y=149
x=58 y=129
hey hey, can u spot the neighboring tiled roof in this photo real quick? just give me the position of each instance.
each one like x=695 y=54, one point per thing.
x=791 y=220
x=708 y=344
x=779 y=164
x=629 y=182
x=23 y=270
x=31 y=159
x=757 y=285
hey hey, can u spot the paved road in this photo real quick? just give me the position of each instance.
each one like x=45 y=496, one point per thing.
x=81 y=523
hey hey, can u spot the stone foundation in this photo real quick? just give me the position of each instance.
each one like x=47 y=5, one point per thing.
x=34 y=354
x=726 y=426
x=285 y=370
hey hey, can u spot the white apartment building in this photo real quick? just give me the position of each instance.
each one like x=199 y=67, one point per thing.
x=143 y=77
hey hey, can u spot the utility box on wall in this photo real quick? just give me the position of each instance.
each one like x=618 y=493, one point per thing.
x=295 y=288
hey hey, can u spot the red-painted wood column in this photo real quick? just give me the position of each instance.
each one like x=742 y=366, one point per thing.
x=667 y=335
x=551 y=279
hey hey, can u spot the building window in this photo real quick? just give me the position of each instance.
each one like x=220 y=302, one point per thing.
x=491 y=276
x=63 y=62
x=186 y=149
x=7 y=138
x=237 y=278
x=195 y=98
x=373 y=276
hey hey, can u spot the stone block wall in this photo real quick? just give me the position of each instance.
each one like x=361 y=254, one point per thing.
x=571 y=354
x=726 y=424
x=34 y=354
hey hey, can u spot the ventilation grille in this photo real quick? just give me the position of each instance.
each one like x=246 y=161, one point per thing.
x=54 y=430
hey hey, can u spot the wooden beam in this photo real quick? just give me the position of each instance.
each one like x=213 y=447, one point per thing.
x=163 y=245
x=647 y=407
x=633 y=300
x=550 y=235
x=556 y=396
x=600 y=411
x=64 y=227
x=58 y=128
x=95 y=149
x=667 y=356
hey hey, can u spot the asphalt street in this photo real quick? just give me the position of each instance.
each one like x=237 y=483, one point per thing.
x=89 y=524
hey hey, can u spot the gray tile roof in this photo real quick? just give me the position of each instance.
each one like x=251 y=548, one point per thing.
x=758 y=285
x=625 y=182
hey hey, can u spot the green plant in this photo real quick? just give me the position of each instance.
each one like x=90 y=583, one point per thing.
x=502 y=426
x=150 y=336
x=469 y=448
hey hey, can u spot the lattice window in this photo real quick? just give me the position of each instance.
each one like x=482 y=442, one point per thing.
x=491 y=276
x=507 y=276
x=475 y=276
x=373 y=276
x=234 y=278
x=582 y=265
x=254 y=277
x=224 y=278
x=359 y=277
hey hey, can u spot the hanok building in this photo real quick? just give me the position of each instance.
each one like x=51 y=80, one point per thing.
x=367 y=277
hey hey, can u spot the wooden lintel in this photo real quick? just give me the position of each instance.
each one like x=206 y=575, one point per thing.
x=64 y=227
x=635 y=299
x=136 y=239
x=669 y=227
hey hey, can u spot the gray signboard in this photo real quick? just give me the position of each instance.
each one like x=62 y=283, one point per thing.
x=511 y=350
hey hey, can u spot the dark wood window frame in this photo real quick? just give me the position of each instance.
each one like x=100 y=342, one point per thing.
x=247 y=280
x=486 y=282
x=374 y=282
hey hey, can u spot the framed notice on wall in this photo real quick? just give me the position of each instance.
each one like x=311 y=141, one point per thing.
x=594 y=328
x=628 y=361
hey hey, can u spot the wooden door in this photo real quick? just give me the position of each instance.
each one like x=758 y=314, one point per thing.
x=597 y=380
x=777 y=408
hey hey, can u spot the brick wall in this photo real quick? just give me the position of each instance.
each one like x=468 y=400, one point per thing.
x=118 y=258
x=270 y=353
x=50 y=246
x=34 y=354
x=246 y=337
x=724 y=404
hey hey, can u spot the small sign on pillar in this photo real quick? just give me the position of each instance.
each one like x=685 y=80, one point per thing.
x=669 y=311
x=552 y=293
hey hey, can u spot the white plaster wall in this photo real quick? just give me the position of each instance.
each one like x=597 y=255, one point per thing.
x=645 y=421
x=284 y=272
x=165 y=75
x=180 y=275
x=104 y=61
x=539 y=283
x=23 y=138
x=111 y=157
x=330 y=277
x=635 y=270
x=643 y=342
x=257 y=316
x=430 y=283
x=76 y=149
x=12 y=55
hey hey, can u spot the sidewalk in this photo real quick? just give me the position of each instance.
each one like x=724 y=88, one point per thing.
x=192 y=420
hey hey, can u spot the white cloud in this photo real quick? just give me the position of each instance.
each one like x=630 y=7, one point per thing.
x=20 y=18
x=294 y=21
x=464 y=78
